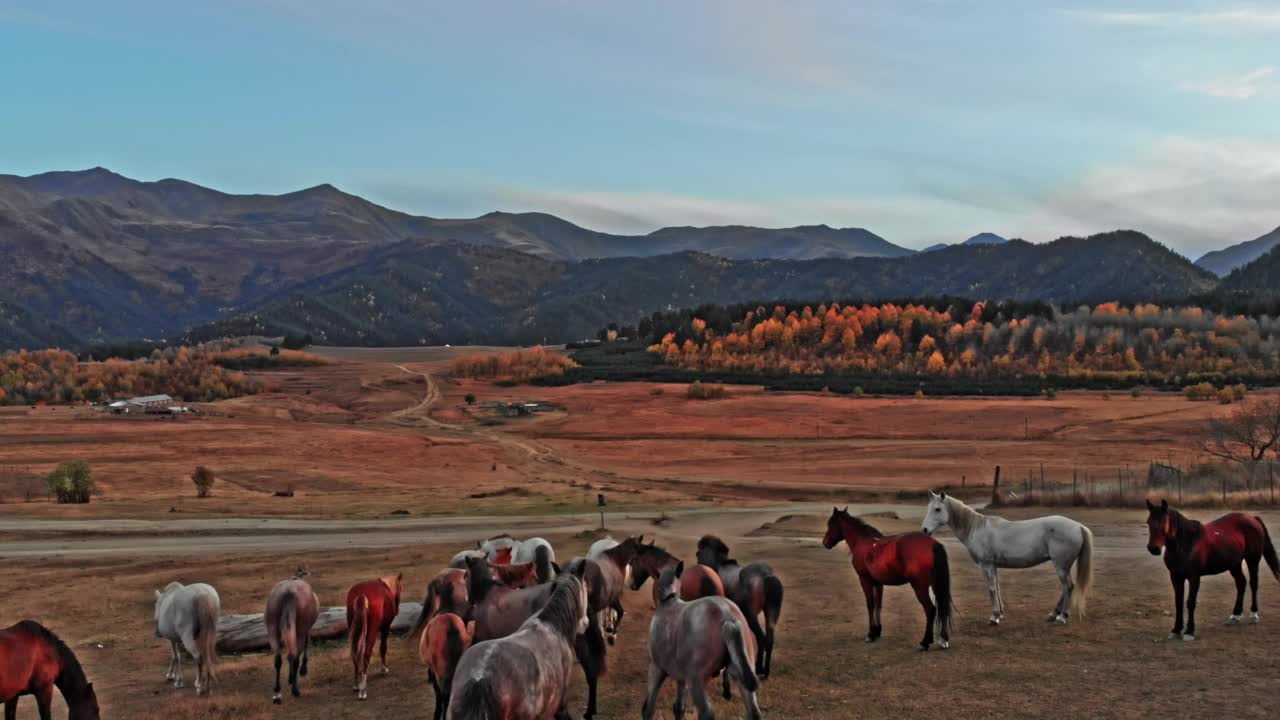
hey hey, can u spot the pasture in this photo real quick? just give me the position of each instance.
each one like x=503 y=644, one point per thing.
x=394 y=472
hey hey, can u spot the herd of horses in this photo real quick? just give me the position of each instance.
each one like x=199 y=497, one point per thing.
x=503 y=626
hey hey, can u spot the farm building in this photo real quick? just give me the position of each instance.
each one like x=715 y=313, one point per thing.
x=145 y=403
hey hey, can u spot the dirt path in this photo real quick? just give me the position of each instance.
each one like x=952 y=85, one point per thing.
x=97 y=538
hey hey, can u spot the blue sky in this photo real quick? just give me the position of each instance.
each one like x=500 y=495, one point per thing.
x=925 y=121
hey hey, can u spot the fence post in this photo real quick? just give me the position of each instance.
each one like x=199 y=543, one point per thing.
x=1224 y=489
x=1271 y=479
x=1043 y=490
x=995 y=488
x=1074 y=495
x=962 y=481
x=1120 y=478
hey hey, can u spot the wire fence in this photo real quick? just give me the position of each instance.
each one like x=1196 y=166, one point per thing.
x=1192 y=484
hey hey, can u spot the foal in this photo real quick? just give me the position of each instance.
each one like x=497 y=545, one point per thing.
x=1193 y=550
x=292 y=608
x=693 y=642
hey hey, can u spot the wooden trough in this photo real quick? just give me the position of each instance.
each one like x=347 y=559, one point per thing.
x=248 y=633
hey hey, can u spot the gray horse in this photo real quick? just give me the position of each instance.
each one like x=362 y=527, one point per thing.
x=693 y=642
x=187 y=615
x=292 y=608
x=525 y=675
x=754 y=588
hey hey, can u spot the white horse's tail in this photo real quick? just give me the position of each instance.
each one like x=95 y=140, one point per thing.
x=208 y=608
x=1084 y=572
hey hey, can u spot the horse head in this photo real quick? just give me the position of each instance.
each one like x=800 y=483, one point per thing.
x=937 y=515
x=669 y=582
x=712 y=551
x=84 y=705
x=1160 y=526
x=835 y=528
x=648 y=562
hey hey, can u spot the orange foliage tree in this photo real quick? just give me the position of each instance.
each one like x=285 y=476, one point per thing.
x=516 y=366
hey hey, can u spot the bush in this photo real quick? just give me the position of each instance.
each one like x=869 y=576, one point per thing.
x=699 y=391
x=202 y=477
x=1050 y=393
x=1239 y=391
x=1136 y=392
x=1200 y=391
x=657 y=392
x=1225 y=396
x=857 y=391
x=470 y=398
x=71 y=482
x=919 y=394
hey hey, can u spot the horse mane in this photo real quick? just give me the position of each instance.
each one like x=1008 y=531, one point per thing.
x=861 y=524
x=1186 y=526
x=480 y=580
x=563 y=606
x=662 y=553
x=170 y=587
x=622 y=552
x=713 y=542
x=71 y=679
x=963 y=518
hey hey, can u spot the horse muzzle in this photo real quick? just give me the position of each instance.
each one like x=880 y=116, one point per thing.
x=1153 y=549
x=927 y=531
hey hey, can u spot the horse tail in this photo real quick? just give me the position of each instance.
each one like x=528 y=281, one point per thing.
x=206 y=636
x=425 y=614
x=772 y=603
x=942 y=587
x=288 y=624
x=1084 y=572
x=1269 y=550
x=736 y=645
x=359 y=629
x=542 y=564
x=478 y=700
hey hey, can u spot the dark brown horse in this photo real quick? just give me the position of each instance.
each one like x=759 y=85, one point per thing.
x=292 y=608
x=446 y=593
x=911 y=558
x=371 y=608
x=441 y=647
x=525 y=675
x=33 y=661
x=696 y=581
x=1193 y=549
x=754 y=588
x=499 y=611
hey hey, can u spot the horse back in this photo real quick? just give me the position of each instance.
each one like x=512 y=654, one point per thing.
x=1225 y=542
x=896 y=559
x=698 y=581
x=27 y=660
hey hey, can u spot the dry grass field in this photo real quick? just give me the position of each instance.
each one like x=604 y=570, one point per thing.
x=393 y=471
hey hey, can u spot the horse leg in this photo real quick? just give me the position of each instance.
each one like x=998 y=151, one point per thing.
x=869 y=592
x=989 y=572
x=726 y=688
x=177 y=658
x=1237 y=574
x=700 y=701
x=275 y=697
x=302 y=668
x=591 y=674
x=995 y=575
x=1253 y=589
x=11 y=710
x=44 y=701
x=382 y=649
x=656 y=677
x=879 y=589
x=677 y=708
x=435 y=686
x=1178 y=585
x=1193 y=590
x=930 y=611
x=293 y=676
x=1062 y=612
x=173 y=658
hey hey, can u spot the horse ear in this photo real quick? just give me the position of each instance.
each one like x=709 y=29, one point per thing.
x=943 y=495
x=1164 y=504
x=1149 y=505
x=679 y=568
x=580 y=570
x=157 y=594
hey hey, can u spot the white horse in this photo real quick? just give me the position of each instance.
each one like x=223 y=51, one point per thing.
x=188 y=615
x=994 y=543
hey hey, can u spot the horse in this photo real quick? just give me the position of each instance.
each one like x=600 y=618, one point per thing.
x=441 y=647
x=756 y=590
x=459 y=560
x=694 y=641
x=515 y=575
x=371 y=607
x=696 y=581
x=614 y=560
x=525 y=675
x=521 y=551
x=292 y=608
x=499 y=611
x=446 y=593
x=1193 y=549
x=913 y=558
x=994 y=542
x=33 y=661
x=187 y=616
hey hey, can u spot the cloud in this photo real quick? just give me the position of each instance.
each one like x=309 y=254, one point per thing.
x=1243 y=19
x=1251 y=84
x=1194 y=194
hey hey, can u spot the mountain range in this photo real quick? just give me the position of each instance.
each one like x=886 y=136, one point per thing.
x=1222 y=262
x=95 y=256
x=984 y=238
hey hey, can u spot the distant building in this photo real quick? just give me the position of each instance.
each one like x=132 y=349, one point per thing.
x=145 y=403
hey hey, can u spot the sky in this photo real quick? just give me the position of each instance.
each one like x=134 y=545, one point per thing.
x=924 y=121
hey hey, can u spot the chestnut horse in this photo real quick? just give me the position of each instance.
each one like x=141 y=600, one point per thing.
x=756 y=590
x=695 y=582
x=292 y=608
x=441 y=647
x=33 y=661
x=371 y=608
x=1193 y=549
x=525 y=675
x=446 y=593
x=913 y=558
x=515 y=575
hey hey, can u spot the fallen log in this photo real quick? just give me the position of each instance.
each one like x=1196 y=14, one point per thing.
x=248 y=633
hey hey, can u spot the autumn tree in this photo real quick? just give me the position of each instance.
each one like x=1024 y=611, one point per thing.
x=203 y=478
x=71 y=482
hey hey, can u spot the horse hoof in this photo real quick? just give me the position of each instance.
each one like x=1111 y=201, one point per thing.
x=944 y=644
x=993 y=621
x=1053 y=617
x=1174 y=636
x=1061 y=620
x=1188 y=637
x=275 y=700
x=611 y=639
x=1233 y=620
x=1254 y=619
x=296 y=692
x=386 y=670
x=869 y=639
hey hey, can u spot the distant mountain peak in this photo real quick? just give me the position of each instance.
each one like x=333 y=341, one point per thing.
x=985 y=238
x=1222 y=262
